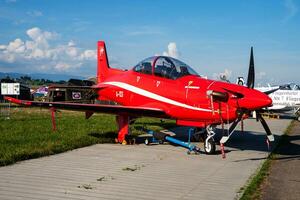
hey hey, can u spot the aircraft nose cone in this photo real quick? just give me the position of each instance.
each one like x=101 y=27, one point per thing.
x=269 y=101
x=254 y=100
x=265 y=101
x=261 y=100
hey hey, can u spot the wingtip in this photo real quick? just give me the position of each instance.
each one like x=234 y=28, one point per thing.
x=13 y=100
x=17 y=101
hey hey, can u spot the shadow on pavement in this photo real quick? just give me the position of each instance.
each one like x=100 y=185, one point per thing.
x=289 y=147
x=246 y=140
x=255 y=141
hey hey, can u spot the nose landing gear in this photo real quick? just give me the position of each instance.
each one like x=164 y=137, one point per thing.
x=209 y=142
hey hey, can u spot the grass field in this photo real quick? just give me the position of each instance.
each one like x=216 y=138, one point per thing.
x=28 y=133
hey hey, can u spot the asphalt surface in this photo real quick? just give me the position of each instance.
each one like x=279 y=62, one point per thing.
x=112 y=171
x=284 y=179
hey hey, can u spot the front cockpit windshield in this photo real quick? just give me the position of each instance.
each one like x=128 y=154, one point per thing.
x=165 y=67
x=183 y=68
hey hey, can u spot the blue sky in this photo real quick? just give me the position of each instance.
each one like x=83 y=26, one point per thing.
x=212 y=36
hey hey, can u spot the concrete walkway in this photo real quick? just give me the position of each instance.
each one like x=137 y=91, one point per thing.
x=110 y=171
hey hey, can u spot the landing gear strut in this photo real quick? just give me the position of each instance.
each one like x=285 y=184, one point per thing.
x=209 y=142
x=123 y=125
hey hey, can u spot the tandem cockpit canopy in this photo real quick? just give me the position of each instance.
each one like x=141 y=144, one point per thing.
x=165 y=67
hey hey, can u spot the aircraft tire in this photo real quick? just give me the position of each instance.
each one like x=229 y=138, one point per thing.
x=210 y=147
x=299 y=118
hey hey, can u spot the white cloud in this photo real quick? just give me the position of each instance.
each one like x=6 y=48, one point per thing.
x=2 y=47
x=88 y=55
x=16 y=46
x=34 y=33
x=62 y=66
x=172 y=50
x=39 y=52
x=224 y=76
x=72 y=51
x=71 y=43
x=261 y=75
x=40 y=38
x=9 y=58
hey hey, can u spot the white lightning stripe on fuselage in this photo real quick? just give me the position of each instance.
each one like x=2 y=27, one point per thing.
x=153 y=96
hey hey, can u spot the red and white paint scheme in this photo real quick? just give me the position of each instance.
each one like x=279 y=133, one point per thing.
x=165 y=87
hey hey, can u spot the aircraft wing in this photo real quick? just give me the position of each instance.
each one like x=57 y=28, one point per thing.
x=94 y=108
x=280 y=108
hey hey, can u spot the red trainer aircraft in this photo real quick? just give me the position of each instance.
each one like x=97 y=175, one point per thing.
x=165 y=87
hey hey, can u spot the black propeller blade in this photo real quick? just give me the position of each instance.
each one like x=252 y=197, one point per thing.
x=242 y=111
x=251 y=73
x=225 y=137
x=271 y=91
x=266 y=127
x=250 y=84
x=235 y=123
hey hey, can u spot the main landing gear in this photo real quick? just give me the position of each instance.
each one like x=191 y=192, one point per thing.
x=123 y=126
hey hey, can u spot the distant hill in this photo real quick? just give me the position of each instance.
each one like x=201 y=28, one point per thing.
x=52 y=77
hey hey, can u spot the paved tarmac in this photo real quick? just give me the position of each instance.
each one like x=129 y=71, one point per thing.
x=284 y=179
x=111 y=171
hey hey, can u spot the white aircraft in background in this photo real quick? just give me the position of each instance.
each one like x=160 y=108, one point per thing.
x=285 y=98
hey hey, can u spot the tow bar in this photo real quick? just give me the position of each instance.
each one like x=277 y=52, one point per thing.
x=160 y=137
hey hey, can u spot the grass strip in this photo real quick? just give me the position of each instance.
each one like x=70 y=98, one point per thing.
x=253 y=189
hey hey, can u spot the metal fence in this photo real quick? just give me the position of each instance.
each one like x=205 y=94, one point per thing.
x=5 y=109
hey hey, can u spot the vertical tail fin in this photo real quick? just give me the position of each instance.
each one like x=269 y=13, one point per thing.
x=102 y=60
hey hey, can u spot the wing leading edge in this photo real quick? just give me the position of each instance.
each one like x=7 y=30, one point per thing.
x=95 y=108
